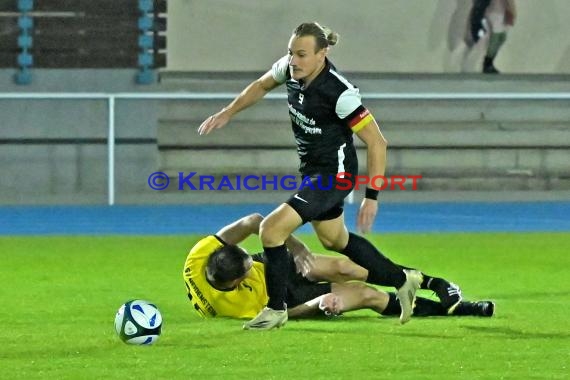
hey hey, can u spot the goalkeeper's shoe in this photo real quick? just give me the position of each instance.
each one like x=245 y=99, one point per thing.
x=407 y=294
x=267 y=319
x=449 y=296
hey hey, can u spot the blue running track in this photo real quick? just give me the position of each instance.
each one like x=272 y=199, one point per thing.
x=204 y=219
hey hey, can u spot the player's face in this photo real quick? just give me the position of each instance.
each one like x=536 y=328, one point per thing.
x=304 y=62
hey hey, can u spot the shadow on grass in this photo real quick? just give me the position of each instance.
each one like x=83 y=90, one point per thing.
x=517 y=334
x=530 y=295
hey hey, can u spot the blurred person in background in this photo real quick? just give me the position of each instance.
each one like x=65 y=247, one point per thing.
x=493 y=17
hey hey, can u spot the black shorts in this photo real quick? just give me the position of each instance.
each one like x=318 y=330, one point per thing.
x=320 y=199
x=299 y=288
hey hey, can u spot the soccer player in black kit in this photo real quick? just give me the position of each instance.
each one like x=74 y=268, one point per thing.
x=325 y=111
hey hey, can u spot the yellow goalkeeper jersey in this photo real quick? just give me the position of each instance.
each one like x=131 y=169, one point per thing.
x=244 y=301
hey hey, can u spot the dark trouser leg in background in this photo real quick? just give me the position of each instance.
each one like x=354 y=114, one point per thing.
x=495 y=42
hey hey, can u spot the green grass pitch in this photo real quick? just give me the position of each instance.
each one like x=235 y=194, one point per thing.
x=60 y=294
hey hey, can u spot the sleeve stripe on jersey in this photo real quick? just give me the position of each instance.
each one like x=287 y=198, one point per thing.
x=360 y=120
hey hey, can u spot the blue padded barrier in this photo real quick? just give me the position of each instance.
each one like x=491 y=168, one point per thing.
x=25 y=5
x=145 y=23
x=145 y=59
x=145 y=41
x=146 y=73
x=25 y=60
x=25 y=41
x=146 y=6
x=25 y=23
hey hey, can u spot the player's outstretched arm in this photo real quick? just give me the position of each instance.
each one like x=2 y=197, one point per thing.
x=302 y=255
x=344 y=297
x=239 y=230
x=249 y=96
x=329 y=304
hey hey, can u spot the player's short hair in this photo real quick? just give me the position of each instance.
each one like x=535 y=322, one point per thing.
x=227 y=263
x=324 y=36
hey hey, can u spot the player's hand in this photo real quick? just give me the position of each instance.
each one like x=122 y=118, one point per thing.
x=304 y=261
x=215 y=121
x=331 y=304
x=366 y=215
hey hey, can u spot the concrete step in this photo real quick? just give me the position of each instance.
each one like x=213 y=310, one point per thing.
x=469 y=162
x=470 y=110
x=238 y=133
x=399 y=134
x=427 y=162
x=477 y=134
x=378 y=82
x=221 y=161
x=196 y=111
x=454 y=144
x=391 y=110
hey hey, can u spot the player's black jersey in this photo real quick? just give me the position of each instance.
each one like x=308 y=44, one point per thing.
x=324 y=116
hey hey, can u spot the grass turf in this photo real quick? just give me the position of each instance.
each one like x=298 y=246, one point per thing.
x=59 y=296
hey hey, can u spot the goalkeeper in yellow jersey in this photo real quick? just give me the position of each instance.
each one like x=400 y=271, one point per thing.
x=223 y=280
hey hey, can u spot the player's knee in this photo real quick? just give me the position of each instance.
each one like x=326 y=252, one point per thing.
x=327 y=244
x=363 y=294
x=255 y=218
x=345 y=270
x=370 y=297
x=332 y=244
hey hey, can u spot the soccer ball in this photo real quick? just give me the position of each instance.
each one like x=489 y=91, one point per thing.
x=138 y=322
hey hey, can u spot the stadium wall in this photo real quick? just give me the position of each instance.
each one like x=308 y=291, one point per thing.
x=376 y=35
x=68 y=172
x=202 y=37
x=517 y=145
